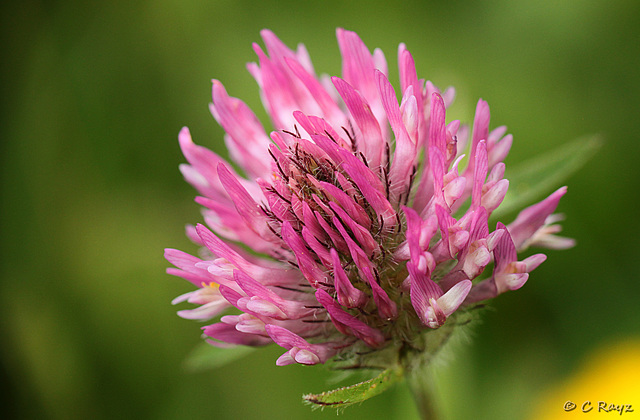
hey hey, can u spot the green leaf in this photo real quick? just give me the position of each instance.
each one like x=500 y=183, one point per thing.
x=205 y=356
x=536 y=176
x=343 y=397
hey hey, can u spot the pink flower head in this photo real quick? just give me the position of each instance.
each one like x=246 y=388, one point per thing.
x=360 y=222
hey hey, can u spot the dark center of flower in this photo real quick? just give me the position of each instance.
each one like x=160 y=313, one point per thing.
x=317 y=192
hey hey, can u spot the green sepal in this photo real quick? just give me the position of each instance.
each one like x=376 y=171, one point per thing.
x=205 y=356
x=536 y=176
x=343 y=397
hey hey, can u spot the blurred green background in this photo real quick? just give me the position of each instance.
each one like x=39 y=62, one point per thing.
x=93 y=97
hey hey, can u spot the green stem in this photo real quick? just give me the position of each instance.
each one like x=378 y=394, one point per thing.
x=416 y=360
x=421 y=387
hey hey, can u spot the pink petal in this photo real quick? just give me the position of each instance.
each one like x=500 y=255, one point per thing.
x=362 y=235
x=309 y=268
x=405 y=152
x=336 y=238
x=505 y=251
x=371 y=336
x=372 y=142
x=320 y=249
x=229 y=334
x=357 y=65
x=244 y=129
x=480 y=132
x=348 y=295
x=422 y=290
x=408 y=75
x=437 y=129
x=353 y=209
x=480 y=174
x=329 y=108
x=533 y=217
x=300 y=349
x=203 y=172
x=245 y=204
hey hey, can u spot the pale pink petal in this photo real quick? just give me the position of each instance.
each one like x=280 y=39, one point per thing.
x=454 y=297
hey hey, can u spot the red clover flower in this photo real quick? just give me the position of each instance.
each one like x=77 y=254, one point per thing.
x=359 y=227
